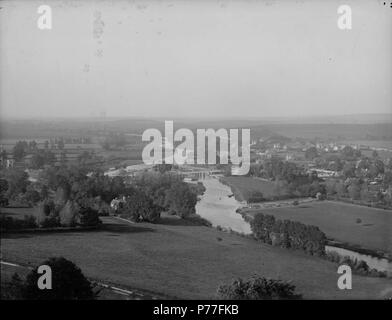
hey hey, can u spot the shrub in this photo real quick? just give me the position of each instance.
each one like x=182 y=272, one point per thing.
x=68 y=283
x=257 y=288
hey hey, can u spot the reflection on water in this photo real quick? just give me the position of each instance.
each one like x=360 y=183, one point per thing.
x=216 y=206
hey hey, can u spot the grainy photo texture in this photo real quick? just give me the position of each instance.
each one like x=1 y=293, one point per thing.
x=180 y=149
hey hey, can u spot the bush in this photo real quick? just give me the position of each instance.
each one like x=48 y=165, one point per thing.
x=181 y=200
x=257 y=288
x=68 y=283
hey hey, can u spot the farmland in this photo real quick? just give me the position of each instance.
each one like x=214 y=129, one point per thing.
x=242 y=187
x=182 y=259
x=372 y=230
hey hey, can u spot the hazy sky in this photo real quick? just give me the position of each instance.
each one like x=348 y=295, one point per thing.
x=194 y=58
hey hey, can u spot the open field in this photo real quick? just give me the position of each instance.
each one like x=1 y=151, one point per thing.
x=179 y=258
x=242 y=187
x=338 y=221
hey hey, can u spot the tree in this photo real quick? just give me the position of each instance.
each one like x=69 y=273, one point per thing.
x=69 y=214
x=3 y=190
x=349 y=170
x=340 y=189
x=32 y=145
x=3 y=155
x=181 y=200
x=3 y=186
x=89 y=216
x=354 y=190
x=257 y=288
x=311 y=153
x=49 y=157
x=68 y=282
x=140 y=207
x=17 y=182
x=32 y=195
x=37 y=160
x=19 y=150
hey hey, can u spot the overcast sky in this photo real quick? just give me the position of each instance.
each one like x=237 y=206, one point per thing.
x=194 y=59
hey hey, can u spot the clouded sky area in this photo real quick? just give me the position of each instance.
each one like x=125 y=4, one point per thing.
x=194 y=59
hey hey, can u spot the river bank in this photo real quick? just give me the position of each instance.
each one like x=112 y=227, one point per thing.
x=225 y=212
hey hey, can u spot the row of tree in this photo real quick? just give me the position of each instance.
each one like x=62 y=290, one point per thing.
x=288 y=234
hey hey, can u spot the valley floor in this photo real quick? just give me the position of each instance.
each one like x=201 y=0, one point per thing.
x=180 y=259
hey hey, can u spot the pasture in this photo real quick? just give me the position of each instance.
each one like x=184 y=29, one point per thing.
x=182 y=259
x=362 y=226
x=242 y=187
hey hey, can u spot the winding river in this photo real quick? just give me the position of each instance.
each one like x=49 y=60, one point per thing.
x=219 y=208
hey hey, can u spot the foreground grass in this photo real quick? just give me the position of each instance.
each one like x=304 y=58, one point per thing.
x=339 y=221
x=182 y=259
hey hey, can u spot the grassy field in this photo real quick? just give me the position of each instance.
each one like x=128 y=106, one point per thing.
x=181 y=259
x=339 y=221
x=242 y=187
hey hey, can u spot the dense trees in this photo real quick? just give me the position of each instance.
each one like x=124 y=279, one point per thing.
x=257 y=288
x=17 y=181
x=140 y=207
x=311 y=153
x=69 y=193
x=19 y=150
x=288 y=234
x=169 y=192
x=181 y=200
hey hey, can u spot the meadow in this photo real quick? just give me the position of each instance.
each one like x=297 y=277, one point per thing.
x=178 y=258
x=365 y=227
x=243 y=187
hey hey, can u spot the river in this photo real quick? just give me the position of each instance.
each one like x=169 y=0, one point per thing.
x=217 y=207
